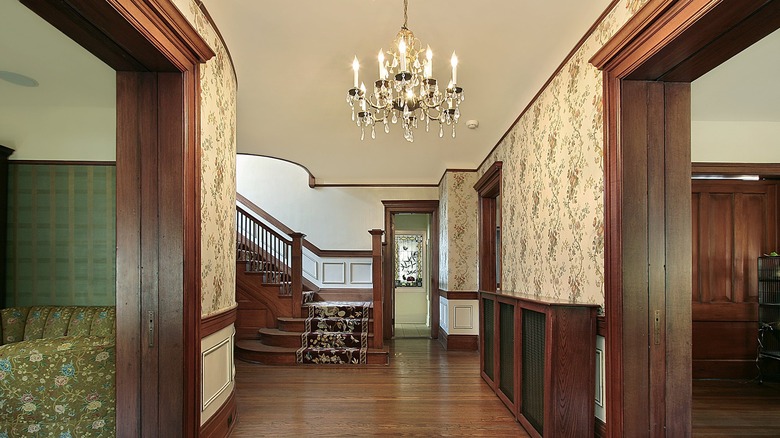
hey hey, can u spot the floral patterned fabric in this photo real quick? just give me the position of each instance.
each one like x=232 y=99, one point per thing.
x=341 y=335
x=60 y=386
x=13 y=321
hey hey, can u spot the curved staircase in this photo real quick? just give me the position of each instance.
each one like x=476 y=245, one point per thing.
x=282 y=318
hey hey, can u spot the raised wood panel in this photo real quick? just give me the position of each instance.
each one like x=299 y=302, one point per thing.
x=733 y=223
x=730 y=340
x=259 y=305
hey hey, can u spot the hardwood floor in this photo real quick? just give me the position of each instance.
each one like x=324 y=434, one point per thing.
x=727 y=408
x=428 y=392
x=425 y=391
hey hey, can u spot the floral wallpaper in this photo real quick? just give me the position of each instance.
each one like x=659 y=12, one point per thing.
x=218 y=168
x=458 y=253
x=552 y=187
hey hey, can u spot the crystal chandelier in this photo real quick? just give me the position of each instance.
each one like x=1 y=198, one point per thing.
x=405 y=90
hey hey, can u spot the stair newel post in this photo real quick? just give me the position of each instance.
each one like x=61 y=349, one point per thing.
x=296 y=272
x=376 y=275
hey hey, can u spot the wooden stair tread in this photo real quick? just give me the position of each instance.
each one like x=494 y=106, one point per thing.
x=252 y=350
x=258 y=345
x=277 y=332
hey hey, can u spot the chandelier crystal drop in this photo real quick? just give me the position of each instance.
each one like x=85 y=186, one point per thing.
x=406 y=90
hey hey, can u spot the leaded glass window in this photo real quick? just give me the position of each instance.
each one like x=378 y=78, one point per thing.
x=408 y=260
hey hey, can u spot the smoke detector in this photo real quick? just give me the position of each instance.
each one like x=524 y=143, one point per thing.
x=472 y=124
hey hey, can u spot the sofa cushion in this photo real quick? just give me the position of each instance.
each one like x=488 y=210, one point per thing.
x=57 y=322
x=58 y=386
x=36 y=320
x=104 y=322
x=13 y=322
x=81 y=321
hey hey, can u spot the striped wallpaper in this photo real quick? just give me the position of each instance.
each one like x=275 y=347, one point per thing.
x=61 y=247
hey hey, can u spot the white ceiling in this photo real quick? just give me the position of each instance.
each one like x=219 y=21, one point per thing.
x=293 y=62
x=744 y=88
x=66 y=73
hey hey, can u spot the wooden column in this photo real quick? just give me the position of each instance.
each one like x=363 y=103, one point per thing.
x=376 y=276
x=296 y=273
x=4 y=154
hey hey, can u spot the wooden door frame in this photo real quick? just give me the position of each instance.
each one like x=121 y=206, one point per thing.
x=156 y=53
x=488 y=190
x=393 y=207
x=667 y=41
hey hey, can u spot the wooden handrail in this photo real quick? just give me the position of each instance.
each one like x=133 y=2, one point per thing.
x=308 y=245
x=267 y=252
x=376 y=275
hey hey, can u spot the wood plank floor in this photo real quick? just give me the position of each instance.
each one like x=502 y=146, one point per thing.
x=425 y=391
x=727 y=408
x=428 y=392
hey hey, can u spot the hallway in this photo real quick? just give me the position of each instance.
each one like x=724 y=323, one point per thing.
x=423 y=392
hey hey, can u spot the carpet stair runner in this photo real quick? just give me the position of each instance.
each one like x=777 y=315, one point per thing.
x=335 y=333
x=327 y=332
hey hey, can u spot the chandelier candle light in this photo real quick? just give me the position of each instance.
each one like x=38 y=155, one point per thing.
x=406 y=89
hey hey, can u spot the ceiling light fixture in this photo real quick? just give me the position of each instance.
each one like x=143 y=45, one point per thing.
x=406 y=89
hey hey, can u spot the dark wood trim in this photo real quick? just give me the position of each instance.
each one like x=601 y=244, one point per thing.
x=761 y=169
x=459 y=294
x=314 y=184
x=393 y=207
x=601 y=326
x=599 y=429
x=533 y=100
x=458 y=342
x=489 y=184
x=489 y=189
x=413 y=185
x=664 y=39
x=157 y=53
x=216 y=322
x=254 y=208
x=222 y=423
x=63 y=163
x=377 y=293
x=5 y=152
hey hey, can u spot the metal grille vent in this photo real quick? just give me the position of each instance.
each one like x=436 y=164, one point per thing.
x=533 y=368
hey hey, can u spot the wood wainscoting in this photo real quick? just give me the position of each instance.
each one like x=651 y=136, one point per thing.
x=733 y=223
x=223 y=420
x=458 y=341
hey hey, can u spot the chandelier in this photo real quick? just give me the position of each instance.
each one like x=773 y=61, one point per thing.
x=405 y=90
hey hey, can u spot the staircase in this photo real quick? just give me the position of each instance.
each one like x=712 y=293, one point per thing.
x=284 y=319
x=318 y=325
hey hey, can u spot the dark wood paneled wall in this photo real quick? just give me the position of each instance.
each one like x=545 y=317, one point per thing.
x=733 y=223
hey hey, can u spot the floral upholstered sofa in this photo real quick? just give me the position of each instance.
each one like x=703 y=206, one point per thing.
x=57 y=371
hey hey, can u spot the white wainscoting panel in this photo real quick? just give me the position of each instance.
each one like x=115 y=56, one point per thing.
x=464 y=317
x=310 y=267
x=360 y=273
x=459 y=317
x=334 y=273
x=217 y=371
x=444 y=315
x=601 y=411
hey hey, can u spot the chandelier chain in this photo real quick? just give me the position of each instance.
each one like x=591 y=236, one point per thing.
x=406 y=16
